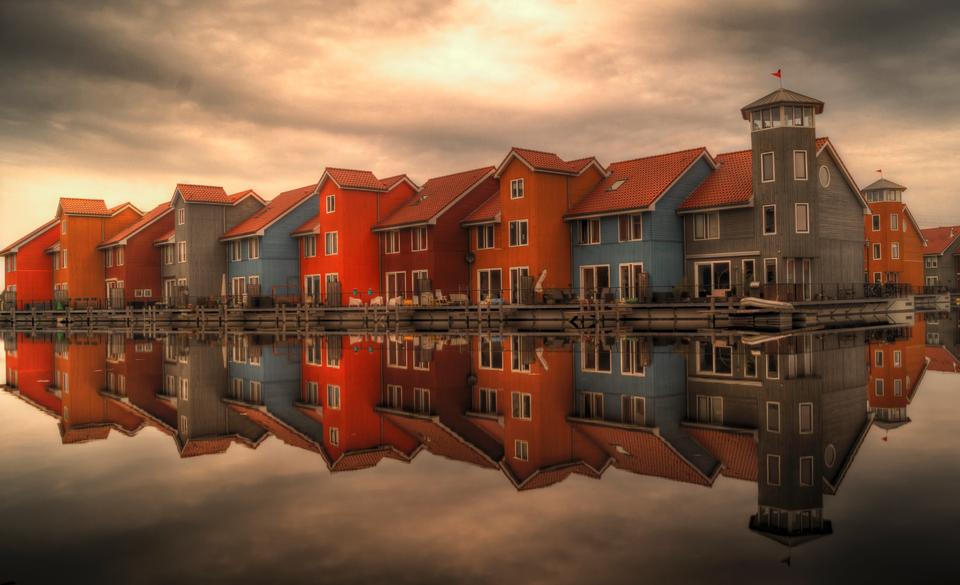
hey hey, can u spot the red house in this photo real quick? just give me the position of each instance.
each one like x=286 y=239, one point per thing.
x=338 y=246
x=422 y=245
x=28 y=270
x=30 y=370
x=132 y=262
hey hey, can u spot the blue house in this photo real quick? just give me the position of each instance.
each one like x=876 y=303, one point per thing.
x=627 y=237
x=263 y=385
x=630 y=397
x=262 y=259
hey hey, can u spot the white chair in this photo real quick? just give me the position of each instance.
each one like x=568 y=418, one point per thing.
x=441 y=300
x=393 y=301
x=376 y=301
x=355 y=302
x=426 y=299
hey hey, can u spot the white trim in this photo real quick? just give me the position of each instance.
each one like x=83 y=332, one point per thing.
x=806 y=166
x=796 y=208
x=763 y=219
x=518 y=222
x=773 y=167
x=766 y=413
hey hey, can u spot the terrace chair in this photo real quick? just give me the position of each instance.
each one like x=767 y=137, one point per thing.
x=427 y=299
x=458 y=299
x=355 y=302
x=394 y=301
x=440 y=299
x=376 y=301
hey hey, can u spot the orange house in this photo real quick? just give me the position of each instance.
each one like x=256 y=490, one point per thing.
x=339 y=253
x=78 y=270
x=134 y=381
x=896 y=369
x=518 y=238
x=895 y=244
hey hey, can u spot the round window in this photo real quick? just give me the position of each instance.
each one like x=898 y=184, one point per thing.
x=830 y=455
x=824 y=176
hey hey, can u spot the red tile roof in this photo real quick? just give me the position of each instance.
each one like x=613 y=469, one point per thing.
x=547 y=161
x=737 y=451
x=549 y=476
x=355 y=179
x=274 y=210
x=84 y=434
x=165 y=236
x=240 y=195
x=311 y=226
x=439 y=439
x=151 y=216
x=211 y=446
x=437 y=195
x=730 y=184
x=355 y=460
x=645 y=180
x=941 y=360
x=940 y=238
x=278 y=428
x=13 y=247
x=77 y=206
x=203 y=194
x=487 y=212
x=391 y=182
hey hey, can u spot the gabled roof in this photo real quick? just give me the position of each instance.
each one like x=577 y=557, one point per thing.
x=277 y=427
x=547 y=162
x=15 y=246
x=824 y=144
x=731 y=184
x=736 y=450
x=353 y=179
x=78 y=206
x=366 y=458
x=390 y=182
x=548 y=476
x=166 y=238
x=212 y=195
x=486 y=212
x=151 y=217
x=438 y=438
x=638 y=184
x=437 y=196
x=941 y=360
x=311 y=226
x=782 y=96
x=939 y=239
x=882 y=183
x=276 y=209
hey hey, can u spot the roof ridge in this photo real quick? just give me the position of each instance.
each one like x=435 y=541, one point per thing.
x=199 y=185
x=538 y=151
x=487 y=168
x=639 y=158
x=351 y=170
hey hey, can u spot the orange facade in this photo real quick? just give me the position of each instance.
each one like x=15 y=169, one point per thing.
x=78 y=264
x=896 y=367
x=894 y=252
x=546 y=250
x=29 y=272
x=30 y=371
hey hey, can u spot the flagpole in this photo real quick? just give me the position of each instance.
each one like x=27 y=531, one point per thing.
x=780 y=77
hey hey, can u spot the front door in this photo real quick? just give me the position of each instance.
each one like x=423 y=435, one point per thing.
x=713 y=278
x=396 y=284
x=594 y=280
x=311 y=288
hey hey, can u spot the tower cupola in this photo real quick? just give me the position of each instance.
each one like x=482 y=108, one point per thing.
x=884 y=190
x=782 y=108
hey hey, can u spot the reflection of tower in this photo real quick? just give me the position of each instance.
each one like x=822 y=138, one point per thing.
x=897 y=363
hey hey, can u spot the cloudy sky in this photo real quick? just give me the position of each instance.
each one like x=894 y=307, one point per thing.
x=122 y=100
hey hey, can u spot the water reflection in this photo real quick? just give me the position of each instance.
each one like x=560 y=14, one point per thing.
x=787 y=413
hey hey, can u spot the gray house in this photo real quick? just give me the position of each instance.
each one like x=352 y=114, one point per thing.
x=941 y=259
x=784 y=219
x=193 y=260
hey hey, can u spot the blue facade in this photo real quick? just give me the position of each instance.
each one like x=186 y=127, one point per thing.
x=661 y=249
x=278 y=267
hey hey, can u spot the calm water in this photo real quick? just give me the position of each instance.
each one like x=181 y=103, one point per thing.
x=486 y=460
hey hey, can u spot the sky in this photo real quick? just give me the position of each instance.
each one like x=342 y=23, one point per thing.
x=122 y=100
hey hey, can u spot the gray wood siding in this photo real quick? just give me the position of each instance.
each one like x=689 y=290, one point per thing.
x=737 y=233
x=839 y=216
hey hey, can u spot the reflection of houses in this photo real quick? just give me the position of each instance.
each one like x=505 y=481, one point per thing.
x=941 y=260
x=133 y=380
x=788 y=414
x=630 y=400
x=943 y=329
x=897 y=362
x=30 y=371
x=195 y=379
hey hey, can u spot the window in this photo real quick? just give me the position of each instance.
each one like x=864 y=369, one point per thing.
x=751 y=365
x=516 y=189
x=182 y=252
x=895 y=250
x=773 y=469
x=421 y=400
x=878 y=358
x=309 y=246
x=897 y=358
x=256 y=392
x=632 y=281
x=773 y=417
x=518 y=232
x=768 y=118
x=714 y=358
x=589 y=232
x=313 y=352
x=706 y=226
x=590 y=405
x=63 y=259
x=631 y=227
x=63 y=226
x=877 y=252
x=806 y=471
x=631 y=357
x=394 y=397
x=334 y=436
x=313 y=393
x=894 y=222
x=767 y=172
x=930 y=262
x=875 y=219
x=594 y=280
x=633 y=410
x=181 y=216
x=331 y=201
x=521 y=450
x=489 y=283
x=799 y=165
x=801 y=215
x=594 y=357
x=518 y=361
x=396 y=353
x=333 y=396
x=710 y=409
x=898 y=387
x=770 y=270
x=253 y=248
x=184 y=392
x=391 y=242
x=485 y=239
x=108 y=258
x=878 y=386
x=517 y=288
x=236 y=252
x=333 y=353
x=491 y=354
x=769 y=220
x=488 y=401
x=236 y=388
x=330 y=243
x=806 y=418
x=521 y=405
x=120 y=256
x=168 y=254
x=182 y=429
x=418 y=239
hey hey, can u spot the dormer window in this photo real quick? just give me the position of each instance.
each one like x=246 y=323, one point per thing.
x=616 y=184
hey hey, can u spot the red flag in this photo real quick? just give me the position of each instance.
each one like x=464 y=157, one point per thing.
x=880 y=171
x=777 y=74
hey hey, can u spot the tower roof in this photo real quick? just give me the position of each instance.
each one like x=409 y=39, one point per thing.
x=782 y=96
x=882 y=183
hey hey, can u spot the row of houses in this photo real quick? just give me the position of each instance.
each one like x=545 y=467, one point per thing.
x=788 y=415
x=783 y=219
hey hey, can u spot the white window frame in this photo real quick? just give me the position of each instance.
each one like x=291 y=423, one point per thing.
x=631 y=227
x=898 y=387
x=526 y=233
x=236 y=251
x=182 y=252
x=335 y=436
x=516 y=273
x=878 y=388
x=488 y=354
x=779 y=422
x=333 y=396
x=108 y=258
x=330 y=203
x=516 y=189
x=516 y=356
x=181 y=215
x=521 y=405
x=488 y=401
x=800 y=425
x=897 y=358
x=592 y=228
x=489 y=242
x=418 y=239
x=705 y=219
x=632 y=366
x=796 y=217
x=120 y=256
x=878 y=358
x=894 y=222
x=773 y=167
x=336 y=243
x=597 y=351
x=253 y=248
x=805 y=175
x=521 y=450
x=421 y=400
x=875 y=223
x=894 y=250
x=391 y=242
x=310 y=246
x=877 y=251
x=763 y=219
